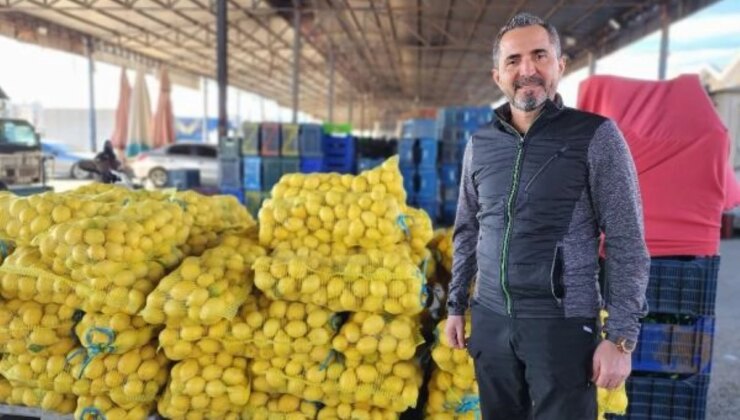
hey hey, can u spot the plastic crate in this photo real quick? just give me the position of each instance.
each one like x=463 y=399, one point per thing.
x=429 y=206
x=236 y=192
x=272 y=170
x=309 y=140
x=339 y=164
x=686 y=286
x=449 y=174
x=427 y=184
x=659 y=398
x=340 y=129
x=675 y=348
x=419 y=128
x=450 y=152
x=250 y=139
x=339 y=146
x=310 y=165
x=409 y=181
x=446 y=117
x=291 y=165
x=406 y=152
x=253 y=201
x=229 y=173
x=428 y=152
x=449 y=211
x=229 y=147
x=450 y=193
x=252 y=168
x=270 y=139
x=289 y=143
x=365 y=164
x=183 y=179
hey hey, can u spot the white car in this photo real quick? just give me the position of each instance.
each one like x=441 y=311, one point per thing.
x=155 y=164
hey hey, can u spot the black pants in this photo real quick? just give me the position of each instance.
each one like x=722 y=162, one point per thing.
x=531 y=368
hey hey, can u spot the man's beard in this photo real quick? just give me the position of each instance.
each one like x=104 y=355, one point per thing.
x=531 y=101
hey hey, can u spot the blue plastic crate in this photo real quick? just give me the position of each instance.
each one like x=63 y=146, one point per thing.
x=675 y=348
x=272 y=170
x=339 y=146
x=229 y=147
x=365 y=164
x=250 y=139
x=449 y=210
x=230 y=172
x=270 y=139
x=450 y=193
x=686 y=286
x=427 y=184
x=237 y=192
x=419 y=128
x=449 y=174
x=253 y=201
x=431 y=207
x=291 y=165
x=339 y=164
x=183 y=179
x=409 y=180
x=475 y=117
x=446 y=117
x=451 y=152
x=406 y=152
x=311 y=165
x=252 y=168
x=427 y=152
x=666 y=398
x=310 y=140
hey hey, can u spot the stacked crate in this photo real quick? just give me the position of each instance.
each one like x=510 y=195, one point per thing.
x=455 y=126
x=230 y=166
x=373 y=152
x=672 y=362
x=418 y=152
x=340 y=152
x=310 y=148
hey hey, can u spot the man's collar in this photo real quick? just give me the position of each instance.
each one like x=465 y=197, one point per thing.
x=551 y=105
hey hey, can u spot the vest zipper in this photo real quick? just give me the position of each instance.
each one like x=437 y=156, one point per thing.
x=543 y=167
x=510 y=211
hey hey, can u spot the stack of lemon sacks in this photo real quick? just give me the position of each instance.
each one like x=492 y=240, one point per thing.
x=453 y=390
x=47 y=400
x=345 y=411
x=262 y=406
x=210 y=386
x=442 y=244
x=348 y=244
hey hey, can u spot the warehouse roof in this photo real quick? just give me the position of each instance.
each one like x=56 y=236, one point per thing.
x=393 y=54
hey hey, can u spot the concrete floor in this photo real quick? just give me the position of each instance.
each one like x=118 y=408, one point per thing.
x=724 y=387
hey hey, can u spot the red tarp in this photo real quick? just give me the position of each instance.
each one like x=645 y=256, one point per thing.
x=681 y=150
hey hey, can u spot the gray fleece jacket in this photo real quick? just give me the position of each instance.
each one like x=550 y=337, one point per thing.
x=530 y=214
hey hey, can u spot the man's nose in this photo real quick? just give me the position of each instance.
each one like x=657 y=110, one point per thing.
x=527 y=67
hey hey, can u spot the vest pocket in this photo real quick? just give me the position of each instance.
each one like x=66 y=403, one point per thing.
x=545 y=165
x=556 y=276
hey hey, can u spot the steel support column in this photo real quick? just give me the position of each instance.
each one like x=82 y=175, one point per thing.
x=665 y=21
x=296 y=58
x=204 y=91
x=330 y=99
x=591 y=63
x=222 y=64
x=91 y=80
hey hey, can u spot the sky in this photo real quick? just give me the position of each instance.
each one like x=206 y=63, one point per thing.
x=56 y=79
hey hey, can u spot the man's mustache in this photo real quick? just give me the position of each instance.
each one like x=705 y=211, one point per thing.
x=529 y=81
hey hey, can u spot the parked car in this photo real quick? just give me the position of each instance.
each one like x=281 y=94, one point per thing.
x=63 y=162
x=154 y=165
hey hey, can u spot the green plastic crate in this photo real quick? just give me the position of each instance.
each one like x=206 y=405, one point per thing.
x=289 y=146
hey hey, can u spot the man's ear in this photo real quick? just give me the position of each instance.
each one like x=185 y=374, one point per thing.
x=561 y=65
x=495 y=75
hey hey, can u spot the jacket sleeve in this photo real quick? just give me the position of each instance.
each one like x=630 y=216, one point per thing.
x=615 y=195
x=464 y=239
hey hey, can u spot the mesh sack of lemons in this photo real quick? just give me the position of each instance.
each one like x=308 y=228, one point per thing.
x=321 y=211
x=215 y=213
x=370 y=338
x=371 y=281
x=129 y=379
x=6 y=248
x=35 y=328
x=344 y=411
x=263 y=406
x=205 y=289
x=101 y=407
x=442 y=244
x=210 y=386
x=395 y=387
x=455 y=361
x=25 y=276
x=118 y=333
x=610 y=401
x=31 y=397
x=452 y=398
x=262 y=328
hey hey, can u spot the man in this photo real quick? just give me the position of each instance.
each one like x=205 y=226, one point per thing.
x=540 y=184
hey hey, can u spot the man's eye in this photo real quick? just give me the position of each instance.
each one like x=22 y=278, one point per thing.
x=541 y=55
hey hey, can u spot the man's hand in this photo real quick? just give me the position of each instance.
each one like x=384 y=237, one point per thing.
x=455 y=331
x=611 y=367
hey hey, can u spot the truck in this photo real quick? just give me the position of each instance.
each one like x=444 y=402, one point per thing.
x=21 y=160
